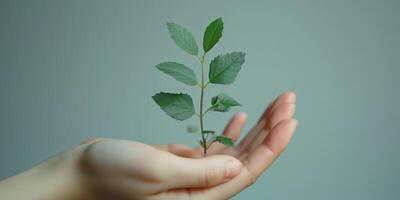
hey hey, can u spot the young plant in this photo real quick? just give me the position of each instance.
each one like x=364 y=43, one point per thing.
x=223 y=70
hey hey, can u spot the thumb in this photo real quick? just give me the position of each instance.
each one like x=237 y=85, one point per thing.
x=202 y=172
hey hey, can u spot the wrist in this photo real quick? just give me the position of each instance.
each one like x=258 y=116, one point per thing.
x=60 y=177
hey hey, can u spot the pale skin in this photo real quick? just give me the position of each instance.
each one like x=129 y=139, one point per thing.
x=105 y=168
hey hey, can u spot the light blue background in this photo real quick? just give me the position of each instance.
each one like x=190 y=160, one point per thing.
x=70 y=70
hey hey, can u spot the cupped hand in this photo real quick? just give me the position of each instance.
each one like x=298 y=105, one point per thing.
x=132 y=170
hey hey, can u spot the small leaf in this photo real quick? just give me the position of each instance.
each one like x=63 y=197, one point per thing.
x=212 y=34
x=179 y=71
x=224 y=68
x=192 y=129
x=208 y=132
x=178 y=106
x=222 y=103
x=225 y=140
x=183 y=38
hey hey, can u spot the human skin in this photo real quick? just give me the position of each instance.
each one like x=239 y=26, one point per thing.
x=105 y=168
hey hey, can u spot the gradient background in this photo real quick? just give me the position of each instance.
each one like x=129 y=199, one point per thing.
x=70 y=70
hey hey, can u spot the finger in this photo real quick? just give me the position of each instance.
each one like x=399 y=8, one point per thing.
x=222 y=191
x=232 y=130
x=93 y=140
x=273 y=145
x=227 y=190
x=202 y=172
x=285 y=97
x=285 y=111
x=256 y=162
x=179 y=150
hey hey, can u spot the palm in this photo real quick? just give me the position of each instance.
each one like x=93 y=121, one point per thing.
x=258 y=149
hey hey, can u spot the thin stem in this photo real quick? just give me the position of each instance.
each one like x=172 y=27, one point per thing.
x=204 y=139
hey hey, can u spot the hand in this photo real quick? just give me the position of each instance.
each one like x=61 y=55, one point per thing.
x=261 y=146
x=132 y=169
x=121 y=169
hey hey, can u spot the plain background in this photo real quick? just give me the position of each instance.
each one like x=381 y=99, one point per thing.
x=70 y=70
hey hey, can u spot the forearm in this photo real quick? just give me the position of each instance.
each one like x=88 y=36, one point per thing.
x=56 y=178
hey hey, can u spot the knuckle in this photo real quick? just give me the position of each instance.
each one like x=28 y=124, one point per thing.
x=209 y=177
x=154 y=169
x=159 y=169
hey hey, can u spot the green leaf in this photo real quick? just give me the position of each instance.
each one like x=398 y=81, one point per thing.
x=179 y=71
x=212 y=34
x=223 y=103
x=178 y=106
x=208 y=132
x=224 y=68
x=224 y=140
x=183 y=38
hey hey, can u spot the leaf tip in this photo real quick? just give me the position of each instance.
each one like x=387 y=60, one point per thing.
x=225 y=140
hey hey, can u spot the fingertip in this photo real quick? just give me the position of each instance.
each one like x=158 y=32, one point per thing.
x=281 y=135
x=289 y=96
x=291 y=125
x=92 y=140
x=235 y=125
x=242 y=115
x=233 y=168
x=288 y=109
x=292 y=109
x=204 y=172
x=282 y=112
x=296 y=124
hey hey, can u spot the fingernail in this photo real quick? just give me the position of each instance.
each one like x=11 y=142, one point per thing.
x=233 y=168
x=243 y=115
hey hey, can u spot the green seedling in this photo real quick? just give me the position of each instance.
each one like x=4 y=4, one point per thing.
x=223 y=70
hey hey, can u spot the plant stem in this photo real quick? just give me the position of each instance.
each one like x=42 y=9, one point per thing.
x=204 y=139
